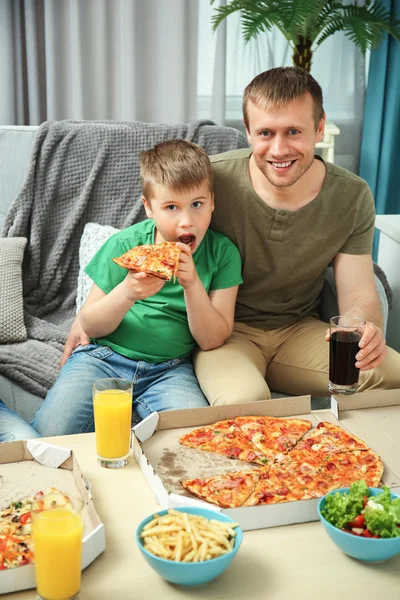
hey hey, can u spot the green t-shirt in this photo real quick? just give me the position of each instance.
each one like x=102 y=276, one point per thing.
x=285 y=253
x=156 y=329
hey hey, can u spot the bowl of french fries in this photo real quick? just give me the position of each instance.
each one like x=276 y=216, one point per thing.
x=189 y=545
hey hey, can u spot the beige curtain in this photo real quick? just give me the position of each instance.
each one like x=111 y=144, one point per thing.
x=98 y=59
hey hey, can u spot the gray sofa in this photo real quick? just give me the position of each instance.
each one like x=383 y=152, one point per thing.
x=15 y=150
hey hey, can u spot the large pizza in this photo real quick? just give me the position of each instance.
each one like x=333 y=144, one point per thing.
x=158 y=260
x=295 y=461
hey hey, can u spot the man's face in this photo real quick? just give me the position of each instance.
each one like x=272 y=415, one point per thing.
x=283 y=139
x=181 y=216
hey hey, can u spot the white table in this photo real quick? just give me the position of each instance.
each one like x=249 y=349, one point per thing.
x=389 y=260
x=298 y=562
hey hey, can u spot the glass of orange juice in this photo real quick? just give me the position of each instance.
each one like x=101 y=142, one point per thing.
x=112 y=405
x=57 y=530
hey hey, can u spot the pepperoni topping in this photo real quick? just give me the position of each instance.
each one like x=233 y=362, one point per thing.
x=283 y=491
x=233 y=451
x=369 y=458
x=307 y=479
x=230 y=436
x=203 y=436
x=265 y=495
x=331 y=466
x=251 y=456
x=322 y=424
x=345 y=461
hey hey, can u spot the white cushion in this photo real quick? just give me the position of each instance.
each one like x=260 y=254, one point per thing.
x=93 y=237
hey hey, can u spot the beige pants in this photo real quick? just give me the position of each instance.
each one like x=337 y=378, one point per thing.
x=293 y=360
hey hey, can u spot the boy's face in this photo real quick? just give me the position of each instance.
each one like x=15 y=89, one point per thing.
x=283 y=139
x=180 y=216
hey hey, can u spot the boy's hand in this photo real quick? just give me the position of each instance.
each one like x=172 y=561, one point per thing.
x=140 y=285
x=186 y=273
x=76 y=337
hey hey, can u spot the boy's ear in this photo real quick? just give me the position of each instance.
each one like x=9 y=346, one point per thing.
x=147 y=208
x=213 y=203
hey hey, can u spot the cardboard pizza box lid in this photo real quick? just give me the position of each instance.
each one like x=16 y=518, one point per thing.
x=27 y=467
x=372 y=399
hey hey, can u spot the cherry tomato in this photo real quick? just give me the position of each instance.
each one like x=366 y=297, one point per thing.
x=358 y=522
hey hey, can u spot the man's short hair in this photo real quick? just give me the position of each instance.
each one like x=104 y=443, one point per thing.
x=176 y=164
x=279 y=86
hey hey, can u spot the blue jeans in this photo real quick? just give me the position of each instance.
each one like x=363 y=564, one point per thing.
x=68 y=407
x=12 y=427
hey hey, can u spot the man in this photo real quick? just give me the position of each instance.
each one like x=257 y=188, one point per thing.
x=290 y=214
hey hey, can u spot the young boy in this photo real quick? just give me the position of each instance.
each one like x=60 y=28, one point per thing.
x=143 y=328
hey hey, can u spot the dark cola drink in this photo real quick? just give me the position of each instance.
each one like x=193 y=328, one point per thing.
x=342 y=369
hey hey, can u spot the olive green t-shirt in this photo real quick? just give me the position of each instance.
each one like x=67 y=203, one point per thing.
x=285 y=253
x=156 y=329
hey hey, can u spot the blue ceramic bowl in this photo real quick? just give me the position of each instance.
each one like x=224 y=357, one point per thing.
x=190 y=573
x=365 y=549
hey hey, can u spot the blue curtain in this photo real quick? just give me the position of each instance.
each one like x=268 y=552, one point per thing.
x=380 y=152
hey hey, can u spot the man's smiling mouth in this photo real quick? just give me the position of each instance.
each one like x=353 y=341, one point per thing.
x=281 y=165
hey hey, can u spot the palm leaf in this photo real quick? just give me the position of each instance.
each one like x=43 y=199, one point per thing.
x=364 y=25
x=313 y=20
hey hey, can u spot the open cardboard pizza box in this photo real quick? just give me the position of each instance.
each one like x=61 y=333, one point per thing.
x=32 y=466
x=372 y=416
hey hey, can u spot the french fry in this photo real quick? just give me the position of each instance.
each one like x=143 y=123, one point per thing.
x=183 y=537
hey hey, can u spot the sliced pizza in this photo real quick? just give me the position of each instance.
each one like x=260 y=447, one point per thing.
x=342 y=469
x=223 y=437
x=158 y=260
x=229 y=490
x=297 y=464
x=275 y=485
x=327 y=437
x=273 y=436
x=320 y=471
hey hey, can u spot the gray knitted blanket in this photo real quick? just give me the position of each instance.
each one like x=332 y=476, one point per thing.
x=79 y=172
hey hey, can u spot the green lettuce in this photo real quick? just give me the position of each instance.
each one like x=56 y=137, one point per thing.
x=383 y=522
x=339 y=509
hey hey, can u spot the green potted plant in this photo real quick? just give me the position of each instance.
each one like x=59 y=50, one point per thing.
x=306 y=24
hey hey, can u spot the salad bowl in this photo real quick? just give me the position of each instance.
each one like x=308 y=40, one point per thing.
x=358 y=541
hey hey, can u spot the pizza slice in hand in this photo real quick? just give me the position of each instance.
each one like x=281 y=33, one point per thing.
x=158 y=260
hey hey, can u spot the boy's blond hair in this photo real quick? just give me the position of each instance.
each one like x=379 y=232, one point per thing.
x=279 y=86
x=176 y=164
